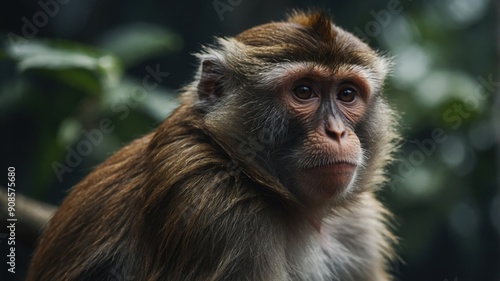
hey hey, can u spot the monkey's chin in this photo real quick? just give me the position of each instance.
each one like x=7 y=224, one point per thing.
x=324 y=183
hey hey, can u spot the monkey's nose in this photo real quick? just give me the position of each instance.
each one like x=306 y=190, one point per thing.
x=335 y=129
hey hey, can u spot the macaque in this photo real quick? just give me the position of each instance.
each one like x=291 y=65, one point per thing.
x=266 y=171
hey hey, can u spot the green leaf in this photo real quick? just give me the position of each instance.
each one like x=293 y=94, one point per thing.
x=137 y=42
x=130 y=95
x=60 y=59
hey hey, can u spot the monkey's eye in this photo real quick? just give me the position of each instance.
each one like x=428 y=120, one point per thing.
x=347 y=95
x=303 y=92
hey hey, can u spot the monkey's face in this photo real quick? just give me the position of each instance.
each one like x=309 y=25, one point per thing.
x=311 y=88
x=325 y=105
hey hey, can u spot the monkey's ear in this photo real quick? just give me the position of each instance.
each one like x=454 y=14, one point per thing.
x=210 y=86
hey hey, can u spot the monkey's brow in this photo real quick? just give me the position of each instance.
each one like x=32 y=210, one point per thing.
x=297 y=70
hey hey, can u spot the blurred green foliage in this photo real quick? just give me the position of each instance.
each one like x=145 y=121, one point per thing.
x=71 y=87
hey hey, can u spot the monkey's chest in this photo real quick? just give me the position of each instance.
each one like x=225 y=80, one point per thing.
x=324 y=259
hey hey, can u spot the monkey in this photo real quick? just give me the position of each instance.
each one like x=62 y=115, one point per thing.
x=268 y=170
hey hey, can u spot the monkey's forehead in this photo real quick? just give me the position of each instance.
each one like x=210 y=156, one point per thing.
x=285 y=41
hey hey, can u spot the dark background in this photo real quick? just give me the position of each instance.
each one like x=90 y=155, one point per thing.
x=444 y=192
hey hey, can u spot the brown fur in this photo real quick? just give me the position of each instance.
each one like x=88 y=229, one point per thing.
x=200 y=198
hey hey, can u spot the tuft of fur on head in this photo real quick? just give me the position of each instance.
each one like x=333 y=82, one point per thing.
x=319 y=21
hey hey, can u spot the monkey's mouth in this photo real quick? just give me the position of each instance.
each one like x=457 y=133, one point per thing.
x=336 y=174
x=326 y=181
